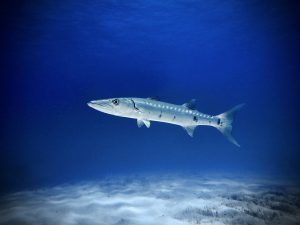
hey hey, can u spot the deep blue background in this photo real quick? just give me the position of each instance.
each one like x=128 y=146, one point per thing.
x=58 y=55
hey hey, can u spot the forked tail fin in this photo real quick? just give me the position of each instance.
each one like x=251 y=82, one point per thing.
x=225 y=123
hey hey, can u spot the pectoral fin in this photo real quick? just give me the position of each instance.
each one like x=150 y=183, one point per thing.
x=190 y=130
x=140 y=123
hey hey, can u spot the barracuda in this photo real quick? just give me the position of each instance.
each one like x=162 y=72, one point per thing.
x=145 y=110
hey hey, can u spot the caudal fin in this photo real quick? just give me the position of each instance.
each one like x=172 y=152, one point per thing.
x=225 y=123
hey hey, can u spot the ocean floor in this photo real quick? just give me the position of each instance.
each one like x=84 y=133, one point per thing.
x=156 y=200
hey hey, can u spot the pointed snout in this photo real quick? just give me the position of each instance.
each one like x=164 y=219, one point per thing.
x=100 y=105
x=91 y=103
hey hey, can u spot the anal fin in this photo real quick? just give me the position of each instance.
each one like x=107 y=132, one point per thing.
x=190 y=130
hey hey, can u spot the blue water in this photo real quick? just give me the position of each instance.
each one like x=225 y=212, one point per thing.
x=58 y=55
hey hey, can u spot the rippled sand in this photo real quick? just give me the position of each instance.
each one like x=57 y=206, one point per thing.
x=155 y=200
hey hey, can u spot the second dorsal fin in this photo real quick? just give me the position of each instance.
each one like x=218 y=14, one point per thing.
x=191 y=104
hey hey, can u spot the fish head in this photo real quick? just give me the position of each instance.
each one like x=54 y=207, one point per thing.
x=113 y=106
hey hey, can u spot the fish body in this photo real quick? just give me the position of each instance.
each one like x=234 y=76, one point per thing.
x=145 y=110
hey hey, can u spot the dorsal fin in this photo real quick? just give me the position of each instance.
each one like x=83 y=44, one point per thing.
x=154 y=98
x=191 y=104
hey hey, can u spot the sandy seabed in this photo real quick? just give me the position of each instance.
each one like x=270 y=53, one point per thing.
x=155 y=200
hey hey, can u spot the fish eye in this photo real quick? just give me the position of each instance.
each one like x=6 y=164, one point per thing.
x=115 y=101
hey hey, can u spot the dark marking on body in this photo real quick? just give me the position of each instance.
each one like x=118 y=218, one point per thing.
x=174 y=117
x=134 y=106
x=195 y=118
x=160 y=115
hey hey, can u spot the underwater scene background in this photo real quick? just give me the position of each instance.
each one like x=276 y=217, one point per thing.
x=62 y=162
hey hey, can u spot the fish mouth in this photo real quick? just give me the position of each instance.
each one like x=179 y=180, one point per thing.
x=90 y=104
x=99 y=105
